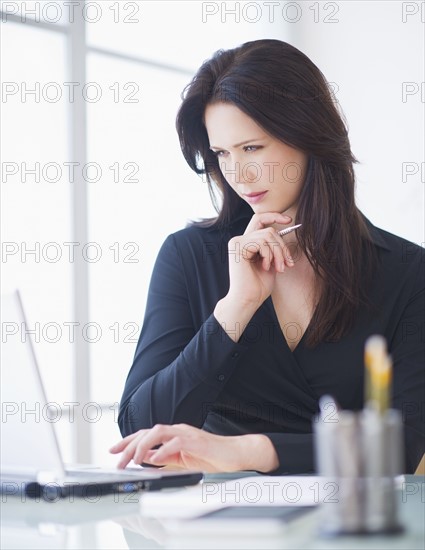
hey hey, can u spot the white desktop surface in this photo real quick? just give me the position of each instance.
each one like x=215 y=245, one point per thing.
x=116 y=522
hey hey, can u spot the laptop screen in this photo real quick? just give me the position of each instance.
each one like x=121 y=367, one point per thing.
x=29 y=445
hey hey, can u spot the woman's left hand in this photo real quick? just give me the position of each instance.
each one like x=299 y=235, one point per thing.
x=183 y=446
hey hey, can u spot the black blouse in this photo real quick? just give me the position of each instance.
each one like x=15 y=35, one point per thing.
x=187 y=369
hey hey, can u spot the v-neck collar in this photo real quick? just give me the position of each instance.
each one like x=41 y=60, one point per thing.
x=270 y=305
x=292 y=359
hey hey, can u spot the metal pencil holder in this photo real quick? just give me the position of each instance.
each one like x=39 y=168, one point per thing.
x=362 y=454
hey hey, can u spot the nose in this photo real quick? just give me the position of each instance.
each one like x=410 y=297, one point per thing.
x=251 y=172
x=236 y=171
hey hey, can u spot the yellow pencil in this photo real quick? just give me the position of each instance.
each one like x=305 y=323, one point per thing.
x=378 y=374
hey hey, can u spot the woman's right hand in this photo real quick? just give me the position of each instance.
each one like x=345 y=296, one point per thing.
x=255 y=258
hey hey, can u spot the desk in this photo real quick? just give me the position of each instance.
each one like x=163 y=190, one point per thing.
x=116 y=522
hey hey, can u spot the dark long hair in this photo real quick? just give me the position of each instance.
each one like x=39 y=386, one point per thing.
x=282 y=90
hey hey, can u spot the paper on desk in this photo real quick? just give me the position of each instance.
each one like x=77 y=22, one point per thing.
x=248 y=491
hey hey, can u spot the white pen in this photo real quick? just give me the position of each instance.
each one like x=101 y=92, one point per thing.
x=289 y=229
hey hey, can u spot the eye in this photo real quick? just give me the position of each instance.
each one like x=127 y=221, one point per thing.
x=246 y=148
x=217 y=153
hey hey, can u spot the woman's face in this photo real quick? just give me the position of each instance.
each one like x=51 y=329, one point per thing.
x=263 y=171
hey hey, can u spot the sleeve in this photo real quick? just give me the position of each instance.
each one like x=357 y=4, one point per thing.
x=295 y=453
x=178 y=370
x=408 y=354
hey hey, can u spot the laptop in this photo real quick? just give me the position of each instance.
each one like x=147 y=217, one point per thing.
x=31 y=461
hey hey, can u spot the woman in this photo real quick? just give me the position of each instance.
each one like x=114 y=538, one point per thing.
x=245 y=329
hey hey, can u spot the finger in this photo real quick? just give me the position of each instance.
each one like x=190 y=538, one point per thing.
x=282 y=256
x=259 y=221
x=185 y=450
x=273 y=251
x=289 y=260
x=127 y=455
x=158 y=435
x=257 y=250
x=148 y=455
x=173 y=447
x=148 y=462
x=287 y=257
x=279 y=250
x=130 y=450
x=118 y=447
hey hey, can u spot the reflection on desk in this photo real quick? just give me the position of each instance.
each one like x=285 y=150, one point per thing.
x=116 y=521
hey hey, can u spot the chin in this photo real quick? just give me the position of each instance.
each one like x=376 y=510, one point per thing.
x=263 y=208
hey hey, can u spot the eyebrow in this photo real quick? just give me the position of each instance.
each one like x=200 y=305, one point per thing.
x=238 y=144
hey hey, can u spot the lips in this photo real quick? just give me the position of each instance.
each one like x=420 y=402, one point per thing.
x=253 y=198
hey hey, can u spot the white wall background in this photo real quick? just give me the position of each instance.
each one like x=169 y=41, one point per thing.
x=375 y=56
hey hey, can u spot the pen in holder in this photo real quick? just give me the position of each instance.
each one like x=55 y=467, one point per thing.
x=361 y=453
